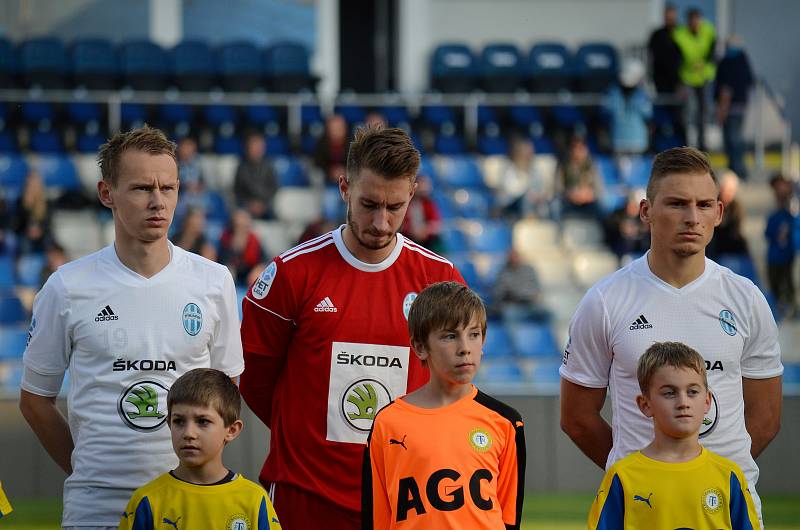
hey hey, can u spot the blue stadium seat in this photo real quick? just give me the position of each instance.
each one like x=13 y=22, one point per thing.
x=58 y=172
x=83 y=112
x=89 y=142
x=218 y=115
x=13 y=171
x=445 y=205
x=546 y=374
x=9 y=64
x=533 y=340
x=460 y=172
x=216 y=209
x=144 y=65
x=7 y=273
x=427 y=169
x=454 y=241
x=36 y=112
x=493 y=237
x=43 y=62
x=46 y=142
x=13 y=340
x=278 y=145
x=437 y=115
x=8 y=142
x=492 y=145
x=310 y=115
x=261 y=115
x=133 y=115
x=94 y=64
x=543 y=145
x=500 y=68
x=290 y=172
x=498 y=343
x=595 y=67
x=607 y=169
x=193 y=65
x=227 y=144
x=567 y=116
x=501 y=371
x=395 y=115
x=453 y=68
x=472 y=203
x=240 y=66
x=449 y=143
x=173 y=115
x=351 y=113
x=525 y=116
x=287 y=68
x=550 y=67
x=741 y=264
x=467 y=268
x=634 y=171
x=11 y=310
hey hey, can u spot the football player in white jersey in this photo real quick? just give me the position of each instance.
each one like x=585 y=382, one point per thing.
x=126 y=321
x=674 y=293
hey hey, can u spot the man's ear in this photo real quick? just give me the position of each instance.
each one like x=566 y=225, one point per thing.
x=104 y=194
x=644 y=211
x=344 y=187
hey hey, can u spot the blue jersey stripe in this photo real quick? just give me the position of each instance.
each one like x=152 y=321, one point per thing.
x=263 y=515
x=740 y=518
x=613 y=515
x=143 y=519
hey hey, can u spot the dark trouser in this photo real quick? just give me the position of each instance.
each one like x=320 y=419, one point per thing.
x=699 y=95
x=734 y=142
x=781 y=284
x=298 y=509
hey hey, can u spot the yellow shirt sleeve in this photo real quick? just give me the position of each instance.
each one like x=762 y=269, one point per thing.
x=5 y=506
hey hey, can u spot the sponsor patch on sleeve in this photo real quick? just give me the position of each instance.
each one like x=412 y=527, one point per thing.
x=264 y=282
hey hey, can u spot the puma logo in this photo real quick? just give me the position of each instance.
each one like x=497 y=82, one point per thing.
x=173 y=524
x=401 y=442
x=642 y=499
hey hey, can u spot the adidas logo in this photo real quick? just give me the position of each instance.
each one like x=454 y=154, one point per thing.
x=105 y=315
x=325 y=306
x=641 y=323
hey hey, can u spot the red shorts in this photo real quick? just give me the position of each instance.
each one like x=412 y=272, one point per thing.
x=298 y=509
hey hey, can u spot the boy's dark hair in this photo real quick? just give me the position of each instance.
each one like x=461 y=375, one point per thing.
x=678 y=160
x=444 y=305
x=675 y=354
x=147 y=139
x=387 y=152
x=207 y=387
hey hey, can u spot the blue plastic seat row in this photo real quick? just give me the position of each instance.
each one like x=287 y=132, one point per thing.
x=501 y=67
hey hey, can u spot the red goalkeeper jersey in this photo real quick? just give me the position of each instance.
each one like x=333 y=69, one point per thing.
x=341 y=326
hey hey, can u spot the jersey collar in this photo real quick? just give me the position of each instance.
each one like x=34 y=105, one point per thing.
x=360 y=265
x=642 y=266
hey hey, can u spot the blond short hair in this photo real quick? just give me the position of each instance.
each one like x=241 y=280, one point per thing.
x=146 y=139
x=388 y=152
x=678 y=160
x=676 y=354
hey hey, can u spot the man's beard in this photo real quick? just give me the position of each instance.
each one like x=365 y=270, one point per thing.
x=355 y=231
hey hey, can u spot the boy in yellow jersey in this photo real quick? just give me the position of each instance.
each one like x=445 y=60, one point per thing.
x=5 y=506
x=203 y=408
x=674 y=482
x=445 y=456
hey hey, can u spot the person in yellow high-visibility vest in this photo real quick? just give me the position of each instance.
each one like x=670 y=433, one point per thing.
x=5 y=506
x=697 y=40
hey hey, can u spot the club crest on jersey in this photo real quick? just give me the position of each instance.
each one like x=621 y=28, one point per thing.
x=192 y=319
x=728 y=322
x=712 y=500
x=362 y=400
x=264 y=281
x=711 y=418
x=143 y=406
x=239 y=521
x=407 y=301
x=480 y=440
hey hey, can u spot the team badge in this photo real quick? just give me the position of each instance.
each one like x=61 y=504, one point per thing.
x=239 y=521
x=192 y=319
x=264 y=281
x=143 y=406
x=711 y=418
x=712 y=500
x=407 y=301
x=728 y=322
x=362 y=400
x=480 y=440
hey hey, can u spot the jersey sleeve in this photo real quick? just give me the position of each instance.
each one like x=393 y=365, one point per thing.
x=511 y=481
x=138 y=514
x=47 y=355
x=5 y=506
x=269 y=311
x=267 y=518
x=743 y=510
x=608 y=509
x=376 y=510
x=587 y=355
x=761 y=358
x=226 y=346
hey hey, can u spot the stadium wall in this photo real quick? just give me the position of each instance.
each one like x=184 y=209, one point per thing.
x=554 y=463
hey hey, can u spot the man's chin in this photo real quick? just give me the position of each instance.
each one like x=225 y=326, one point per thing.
x=376 y=243
x=687 y=251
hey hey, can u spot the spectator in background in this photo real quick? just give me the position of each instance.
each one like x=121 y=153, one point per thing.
x=625 y=233
x=728 y=237
x=517 y=292
x=254 y=185
x=731 y=90
x=665 y=62
x=696 y=41
x=781 y=246
x=331 y=151
x=315 y=229
x=189 y=165
x=240 y=249
x=522 y=189
x=578 y=181
x=375 y=119
x=629 y=107
x=55 y=256
x=31 y=219
x=192 y=235
x=423 y=220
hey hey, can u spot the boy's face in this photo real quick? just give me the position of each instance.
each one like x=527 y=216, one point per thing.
x=453 y=355
x=199 y=434
x=677 y=400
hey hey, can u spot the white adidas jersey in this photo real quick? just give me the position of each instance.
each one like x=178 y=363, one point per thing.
x=721 y=315
x=124 y=339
